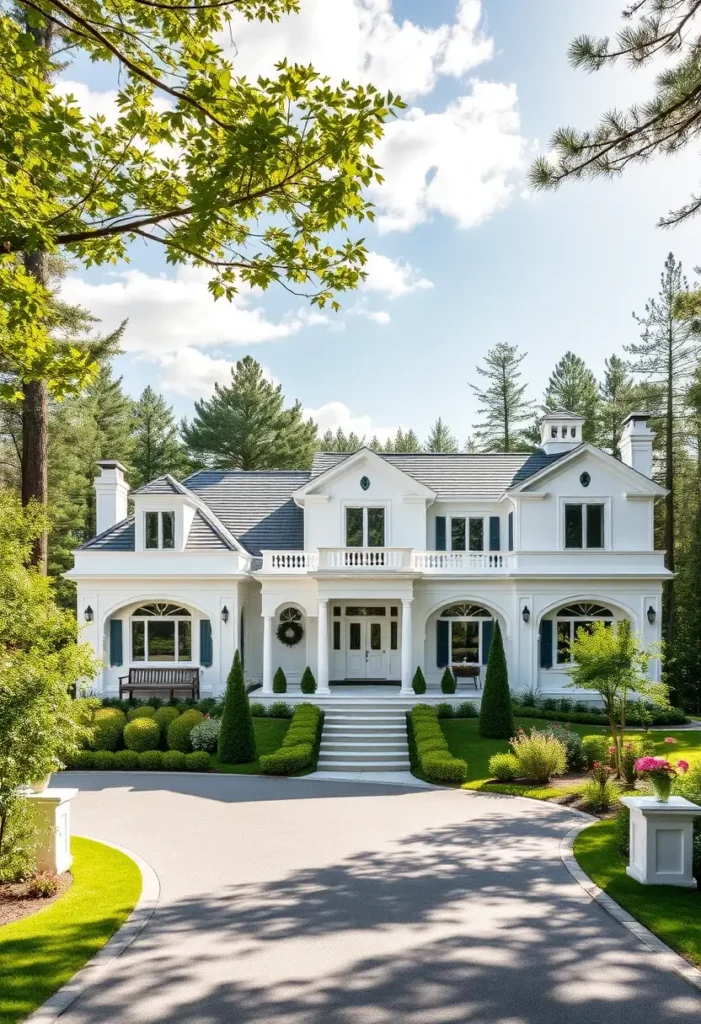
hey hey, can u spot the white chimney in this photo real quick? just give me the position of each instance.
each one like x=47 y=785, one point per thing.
x=560 y=431
x=111 y=490
x=636 y=442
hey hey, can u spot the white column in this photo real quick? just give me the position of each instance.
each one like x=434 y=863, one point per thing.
x=322 y=661
x=406 y=645
x=267 y=654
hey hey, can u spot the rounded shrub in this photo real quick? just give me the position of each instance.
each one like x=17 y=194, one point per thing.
x=180 y=729
x=308 y=683
x=151 y=761
x=174 y=761
x=448 y=684
x=103 y=760
x=197 y=761
x=444 y=710
x=205 y=735
x=208 y=706
x=279 y=682
x=105 y=736
x=144 y=711
x=503 y=767
x=164 y=716
x=574 y=747
x=419 y=682
x=258 y=710
x=81 y=761
x=279 y=709
x=126 y=761
x=596 y=748
x=142 y=734
x=112 y=716
x=466 y=709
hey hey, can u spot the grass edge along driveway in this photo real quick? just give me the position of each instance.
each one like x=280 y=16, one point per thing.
x=42 y=952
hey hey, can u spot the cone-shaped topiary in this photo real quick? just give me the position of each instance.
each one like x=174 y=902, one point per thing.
x=308 y=684
x=447 y=681
x=237 y=743
x=496 y=716
x=279 y=682
x=418 y=682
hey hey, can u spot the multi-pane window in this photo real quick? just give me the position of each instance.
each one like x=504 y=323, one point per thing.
x=466 y=627
x=574 y=617
x=476 y=534
x=584 y=526
x=159 y=530
x=365 y=527
x=466 y=533
x=457 y=534
x=161 y=633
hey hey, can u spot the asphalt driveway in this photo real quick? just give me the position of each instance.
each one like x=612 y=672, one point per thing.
x=309 y=902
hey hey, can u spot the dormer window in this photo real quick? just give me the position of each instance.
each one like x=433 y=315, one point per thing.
x=573 y=431
x=159 y=531
x=553 y=431
x=564 y=431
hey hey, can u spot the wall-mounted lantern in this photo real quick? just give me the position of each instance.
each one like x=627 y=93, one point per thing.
x=89 y=614
x=651 y=615
x=526 y=613
x=225 y=615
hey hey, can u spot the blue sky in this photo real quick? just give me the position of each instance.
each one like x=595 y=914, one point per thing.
x=465 y=256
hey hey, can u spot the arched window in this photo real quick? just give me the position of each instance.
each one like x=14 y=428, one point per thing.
x=161 y=632
x=573 y=617
x=465 y=636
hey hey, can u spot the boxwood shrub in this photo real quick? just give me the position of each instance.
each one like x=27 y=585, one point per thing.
x=300 y=747
x=81 y=761
x=145 y=711
x=125 y=761
x=116 y=718
x=151 y=761
x=448 y=684
x=197 y=761
x=103 y=760
x=257 y=710
x=105 y=736
x=428 y=748
x=278 y=709
x=142 y=734
x=180 y=729
x=164 y=716
x=466 y=709
x=174 y=761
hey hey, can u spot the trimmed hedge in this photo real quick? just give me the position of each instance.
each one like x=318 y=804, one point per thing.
x=103 y=760
x=81 y=761
x=300 y=747
x=174 y=761
x=142 y=734
x=126 y=760
x=197 y=761
x=658 y=716
x=151 y=761
x=428 y=747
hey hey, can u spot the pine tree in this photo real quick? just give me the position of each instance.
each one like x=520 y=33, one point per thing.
x=573 y=386
x=440 y=440
x=339 y=442
x=157 y=447
x=237 y=744
x=666 y=358
x=244 y=425
x=618 y=396
x=402 y=443
x=496 y=715
x=503 y=406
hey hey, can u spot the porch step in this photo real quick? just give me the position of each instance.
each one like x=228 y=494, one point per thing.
x=363 y=746
x=364 y=736
x=363 y=760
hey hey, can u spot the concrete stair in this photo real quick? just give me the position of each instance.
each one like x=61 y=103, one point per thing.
x=363 y=736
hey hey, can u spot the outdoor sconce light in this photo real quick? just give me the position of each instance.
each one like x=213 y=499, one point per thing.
x=526 y=613
x=225 y=615
x=651 y=615
x=89 y=614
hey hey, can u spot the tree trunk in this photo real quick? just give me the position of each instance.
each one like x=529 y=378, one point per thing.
x=669 y=538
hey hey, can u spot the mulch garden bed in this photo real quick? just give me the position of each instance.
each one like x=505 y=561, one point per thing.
x=16 y=903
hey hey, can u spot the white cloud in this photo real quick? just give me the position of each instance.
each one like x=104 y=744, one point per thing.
x=335 y=414
x=363 y=41
x=92 y=103
x=392 y=278
x=379 y=316
x=458 y=162
x=191 y=372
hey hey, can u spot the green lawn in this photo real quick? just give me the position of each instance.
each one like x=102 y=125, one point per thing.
x=671 y=913
x=43 y=951
x=269 y=733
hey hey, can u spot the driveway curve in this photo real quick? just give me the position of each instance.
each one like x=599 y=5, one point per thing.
x=310 y=902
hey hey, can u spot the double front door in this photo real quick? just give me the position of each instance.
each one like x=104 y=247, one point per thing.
x=367 y=648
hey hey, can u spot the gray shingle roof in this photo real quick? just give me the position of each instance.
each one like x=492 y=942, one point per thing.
x=118 y=538
x=203 y=536
x=162 y=485
x=457 y=476
x=257 y=508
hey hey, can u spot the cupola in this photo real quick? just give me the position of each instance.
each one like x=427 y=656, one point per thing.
x=560 y=431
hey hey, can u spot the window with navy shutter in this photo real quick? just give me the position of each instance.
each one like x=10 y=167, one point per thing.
x=116 y=643
x=205 y=643
x=494 y=533
x=442 y=643
x=546 y=643
x=440 y=533
x=511 y=531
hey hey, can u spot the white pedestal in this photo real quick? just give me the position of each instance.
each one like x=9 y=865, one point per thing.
x=661 y=838
x=52 y=812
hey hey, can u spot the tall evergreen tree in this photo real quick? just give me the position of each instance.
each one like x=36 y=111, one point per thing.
x=339 y=442
x=618 y=396
x=504 y=409
x=402 y=443
x=665 y=358
x=573 y=386
x=441 y=440
x=157 y=446
x=244 y=425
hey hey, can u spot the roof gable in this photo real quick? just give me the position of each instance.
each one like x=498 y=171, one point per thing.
x=352 y=462
x=639 y=483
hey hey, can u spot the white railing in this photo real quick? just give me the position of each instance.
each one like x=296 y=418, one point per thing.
x=459 y=561
x=290 y=561
x=365 y=559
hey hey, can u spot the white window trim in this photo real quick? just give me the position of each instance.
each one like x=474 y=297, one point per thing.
x=163 y=618
x=480 y=644
x=371 y=504
x=589 y=500
x=573 y=620
x=160 y=512
x=467 y=549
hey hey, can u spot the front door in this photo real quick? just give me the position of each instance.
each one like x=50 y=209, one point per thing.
x=366 y=649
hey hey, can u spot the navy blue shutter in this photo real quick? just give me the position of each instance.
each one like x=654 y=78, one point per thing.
x=205 y=643
x=440 y=533
x=442 y=642
x=511 y=531
x=494 y=533
x=116 y=644
x=546 y=643
x=487 y=634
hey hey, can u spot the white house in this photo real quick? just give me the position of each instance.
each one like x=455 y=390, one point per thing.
x=376 y=564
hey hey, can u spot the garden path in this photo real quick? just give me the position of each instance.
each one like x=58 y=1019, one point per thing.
x=324 y=902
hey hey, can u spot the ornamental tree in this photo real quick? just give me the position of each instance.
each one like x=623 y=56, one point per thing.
x=237 y=743
x=243 y=178
x=496 y=715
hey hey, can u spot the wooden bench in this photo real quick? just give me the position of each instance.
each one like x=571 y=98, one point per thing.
x=156 y=680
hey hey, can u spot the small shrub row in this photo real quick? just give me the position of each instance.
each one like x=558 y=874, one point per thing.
x=147 y=760
x=207 y=705
x=429 y=749
x=278 y=709
x=637 y=712
x=300 y=747
x=465 y=709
